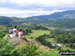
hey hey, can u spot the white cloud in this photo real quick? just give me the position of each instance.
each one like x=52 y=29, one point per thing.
x=44 y=4
x=40 y=2
x=23 y=13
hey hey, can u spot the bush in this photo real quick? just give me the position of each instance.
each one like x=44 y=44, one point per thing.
x=29 y=50
x=49 y=53
x=5 y=47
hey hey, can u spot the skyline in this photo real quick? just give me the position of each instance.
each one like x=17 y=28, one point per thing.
x=28 y=8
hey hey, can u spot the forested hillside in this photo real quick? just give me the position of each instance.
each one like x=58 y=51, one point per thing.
x=63 y=19
x=10 y=20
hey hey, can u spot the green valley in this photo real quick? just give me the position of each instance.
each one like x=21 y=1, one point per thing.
x=44 y=35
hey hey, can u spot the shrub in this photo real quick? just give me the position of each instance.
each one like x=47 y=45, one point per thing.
x=28 y=50
x=5 y=47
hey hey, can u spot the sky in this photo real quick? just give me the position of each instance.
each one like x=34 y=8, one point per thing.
x=28 y=8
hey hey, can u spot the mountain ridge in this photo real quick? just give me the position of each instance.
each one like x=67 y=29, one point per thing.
x=57 y=19
x=56 y=14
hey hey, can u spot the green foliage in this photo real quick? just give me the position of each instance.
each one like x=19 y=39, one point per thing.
x=2 y=34
x=5 y=47
x=42 y=40
x=65 y=37
x=27 y=31
x=37 y=27
x=28 y=50
x=67 y=49
x=3 y=31
x=49 y=53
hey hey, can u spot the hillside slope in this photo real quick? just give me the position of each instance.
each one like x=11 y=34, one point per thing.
x=58 y=19
x=63 y=19
x=10 y=20
x=19 y=42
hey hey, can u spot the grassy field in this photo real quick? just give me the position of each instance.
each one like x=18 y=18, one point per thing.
x=37 y=33
x=50 y=40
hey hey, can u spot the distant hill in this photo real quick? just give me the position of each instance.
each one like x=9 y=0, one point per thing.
x=10 y=20
x=58 y=19
x=58 y=14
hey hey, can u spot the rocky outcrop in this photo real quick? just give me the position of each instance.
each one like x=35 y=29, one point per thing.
x=19 y=42
x=14 y=39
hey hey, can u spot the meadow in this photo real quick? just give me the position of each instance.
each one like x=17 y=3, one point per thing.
x=37 y=33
